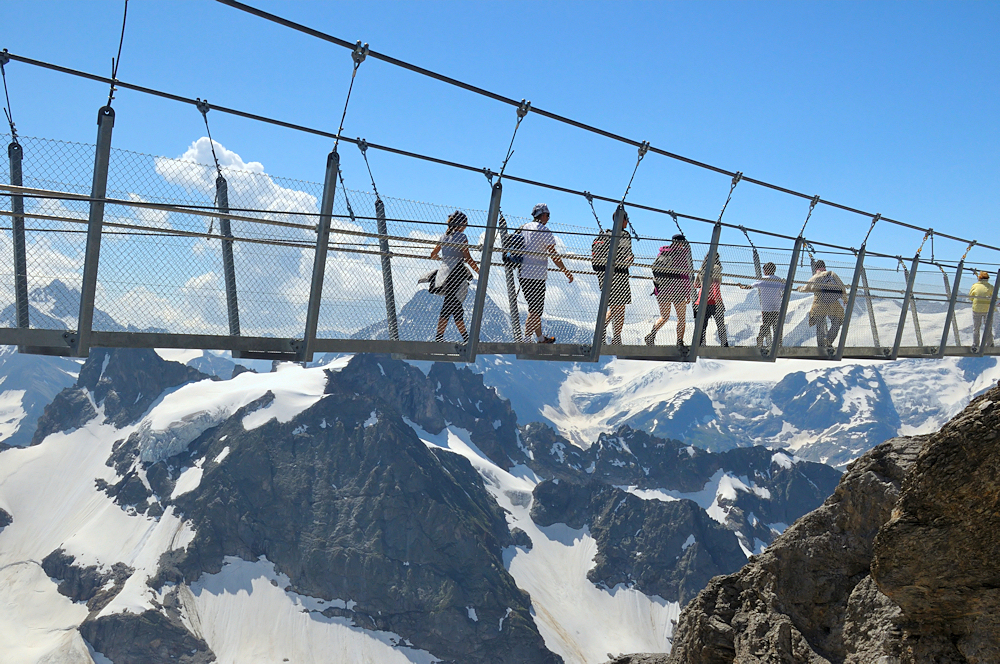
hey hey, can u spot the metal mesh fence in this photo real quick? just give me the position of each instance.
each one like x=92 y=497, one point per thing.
x=162 y=269
x=55 y=232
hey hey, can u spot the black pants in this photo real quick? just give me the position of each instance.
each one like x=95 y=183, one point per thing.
x=768 y=327
x=718 y=312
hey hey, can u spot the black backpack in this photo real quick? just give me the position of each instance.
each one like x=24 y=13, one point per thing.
x=602 y=244
x=514 y=247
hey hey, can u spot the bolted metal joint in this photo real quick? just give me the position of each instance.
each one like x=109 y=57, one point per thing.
x=489 y=174
x=363 y=145
x=203 y=106
x=523 y=108
x=360 y=53
x=4 y=58
x=643 y=149
x=737 y=178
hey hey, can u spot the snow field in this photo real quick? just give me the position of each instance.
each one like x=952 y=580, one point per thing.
x=577 y=620
x=245 y=614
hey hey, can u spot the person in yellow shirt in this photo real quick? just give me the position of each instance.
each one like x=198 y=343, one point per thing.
x=981 y=293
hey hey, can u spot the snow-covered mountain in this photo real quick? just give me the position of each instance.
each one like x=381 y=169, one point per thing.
x=366 y=508
x=820 y=411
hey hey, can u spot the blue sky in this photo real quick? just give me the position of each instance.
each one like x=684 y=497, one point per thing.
x=886 y=107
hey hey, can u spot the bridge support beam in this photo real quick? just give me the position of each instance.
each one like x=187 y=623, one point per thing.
x=515 y=313
x=15 y=153
x=709 y=265
x=228 y=265
x=913 y=310
x=786 y=297
x=851 y=299
x=950 y=316
x=987 y=339
x=609 y=276
x=484 y=273
x=95 y=226
x=387 y=285
x=305 y=353
x=870 y=307
x=905 y=305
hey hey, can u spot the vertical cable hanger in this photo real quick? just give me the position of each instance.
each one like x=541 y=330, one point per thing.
x=204 y=108
x=736 y=181
x=7 y=111
x=812 y=206
x=117 y=60
x=522 y=111
x=673 y=215
x=363 y=146
x=643 y=149
x=590 y=199
x=358 y=55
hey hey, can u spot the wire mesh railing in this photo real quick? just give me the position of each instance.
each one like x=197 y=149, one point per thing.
x=162 y=272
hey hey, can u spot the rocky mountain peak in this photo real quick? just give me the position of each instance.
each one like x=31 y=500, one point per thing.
x=899 y=566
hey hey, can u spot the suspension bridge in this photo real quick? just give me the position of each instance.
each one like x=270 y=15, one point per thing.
x=106 y=247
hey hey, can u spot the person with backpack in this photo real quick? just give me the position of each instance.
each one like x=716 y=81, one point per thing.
x=769 y=289
x=621 y=288
x=452 y=278
x=673 y=272
x=828 y=290
x=539 y=247
x=981 y=293
x=716 y=309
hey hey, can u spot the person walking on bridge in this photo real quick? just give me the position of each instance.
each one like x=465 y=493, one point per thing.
x=539 y=247
x=621 y=289
x=828 y=290
x=981 y=293
x=711 y=278
x=673 y=272
x=452 y=279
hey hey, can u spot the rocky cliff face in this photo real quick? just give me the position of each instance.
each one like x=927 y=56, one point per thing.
x=900 y=565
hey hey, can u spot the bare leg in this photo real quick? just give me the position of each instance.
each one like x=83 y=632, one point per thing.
x=680 y=310
x=616 y=316
x=533 y=326
x=442 y=326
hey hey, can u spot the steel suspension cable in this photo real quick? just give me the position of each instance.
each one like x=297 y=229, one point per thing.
x=812 y=206
x=415 y=155
x=554 y=116
x=736 y=181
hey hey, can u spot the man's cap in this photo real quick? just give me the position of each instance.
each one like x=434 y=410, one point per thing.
x=539 y=210
x=984 y=275
x=678 y=237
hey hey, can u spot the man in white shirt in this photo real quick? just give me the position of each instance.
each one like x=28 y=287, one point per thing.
x=540 y=245
x=770 y=289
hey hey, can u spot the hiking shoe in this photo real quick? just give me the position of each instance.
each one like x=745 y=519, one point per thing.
x=650 y=339
x=547 y=340
x=617 y=341
x=681 y=346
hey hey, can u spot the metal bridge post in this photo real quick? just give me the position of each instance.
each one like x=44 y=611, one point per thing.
x=319 y=261
x=228 y=266
x=387 y=286
x=699 y=319
x=484 y=273
x=987 y=340
x=515 y=313
x=870 y=307
x=913 y=311
x=609 y=276
x=95 y=225
x=950 y=316
x=786 y=297
x=906 y=302
x=15 y=152
x=851 y=298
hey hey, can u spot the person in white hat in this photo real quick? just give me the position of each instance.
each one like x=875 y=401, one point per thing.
x=540 y=246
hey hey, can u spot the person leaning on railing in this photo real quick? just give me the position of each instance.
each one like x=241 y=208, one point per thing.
x=981 y=293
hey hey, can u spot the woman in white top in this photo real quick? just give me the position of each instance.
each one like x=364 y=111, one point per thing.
x=453 y=278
